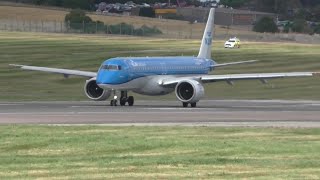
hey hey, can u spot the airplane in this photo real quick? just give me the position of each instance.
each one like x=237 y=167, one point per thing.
x=184 y=75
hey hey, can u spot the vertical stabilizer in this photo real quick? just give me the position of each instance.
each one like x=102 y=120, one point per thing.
x=205 y=48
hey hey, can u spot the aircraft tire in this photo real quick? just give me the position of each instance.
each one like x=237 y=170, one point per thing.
x=184 y=104
x=130 y=100
x=193 y=104
x=113 y=102
x=123 y=101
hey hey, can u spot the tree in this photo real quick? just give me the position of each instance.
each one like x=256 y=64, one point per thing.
x=287 y=27
x=301 y=26
x=76 y=18
x=265 y=24
x=316 y=12
x=298 y=25
x=76 y=4
x=233 y=3
x=317 y=29
x=54 y=2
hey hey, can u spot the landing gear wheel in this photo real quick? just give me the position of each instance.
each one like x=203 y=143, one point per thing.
x=193 y=104
x=130 y=100
x=185 y=104
x=113 y=102
x=123 y=101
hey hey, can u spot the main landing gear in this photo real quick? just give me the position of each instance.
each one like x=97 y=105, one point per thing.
x=123 y=99
x=184 y=104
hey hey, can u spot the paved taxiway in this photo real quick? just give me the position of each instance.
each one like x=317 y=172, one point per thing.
x=226 y=113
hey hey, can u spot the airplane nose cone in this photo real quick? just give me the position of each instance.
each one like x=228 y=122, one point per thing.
x=100 y=78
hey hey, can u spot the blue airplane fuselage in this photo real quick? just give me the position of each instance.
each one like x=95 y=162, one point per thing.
x=121 y=70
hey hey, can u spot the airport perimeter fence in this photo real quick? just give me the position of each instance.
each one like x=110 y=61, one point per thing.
x=84 y=28
x=162 y=31
x=189 y=31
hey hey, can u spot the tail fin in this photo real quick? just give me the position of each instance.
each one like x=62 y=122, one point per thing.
x=205 y=48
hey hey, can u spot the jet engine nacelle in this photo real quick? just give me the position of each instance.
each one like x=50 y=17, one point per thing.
x=189 y=91
x=94 y=92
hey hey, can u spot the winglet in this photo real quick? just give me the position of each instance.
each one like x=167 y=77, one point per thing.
x=206 y=44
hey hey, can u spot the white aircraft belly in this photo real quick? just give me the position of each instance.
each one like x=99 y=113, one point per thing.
x=145 y=85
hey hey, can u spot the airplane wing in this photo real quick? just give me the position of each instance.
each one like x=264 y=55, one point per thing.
x=65 y=72
x=233 y=77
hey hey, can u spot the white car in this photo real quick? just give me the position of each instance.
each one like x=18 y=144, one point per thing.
x=232 y=43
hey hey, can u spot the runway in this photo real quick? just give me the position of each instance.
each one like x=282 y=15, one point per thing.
x=222 y=113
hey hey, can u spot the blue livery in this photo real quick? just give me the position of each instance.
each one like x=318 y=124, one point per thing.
x=122 y=70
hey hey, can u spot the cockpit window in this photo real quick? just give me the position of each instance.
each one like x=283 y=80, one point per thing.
x=111 y=67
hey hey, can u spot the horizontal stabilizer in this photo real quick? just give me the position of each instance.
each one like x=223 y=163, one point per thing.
x=234 y=63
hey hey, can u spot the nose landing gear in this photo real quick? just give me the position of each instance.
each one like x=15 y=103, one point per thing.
x=114 y=101
x=123 y=99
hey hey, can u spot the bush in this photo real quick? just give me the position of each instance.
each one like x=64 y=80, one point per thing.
x=121 y=28
x=298 y=25
x=265 y=24
x=287 y=28
x=317 y=29
x=150 y=31
x=301 y=26
x=76 y=18
x=100 y=26
x=93 y=27
x=127 y=29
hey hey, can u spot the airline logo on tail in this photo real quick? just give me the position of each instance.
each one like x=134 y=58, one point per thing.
x=208 y=39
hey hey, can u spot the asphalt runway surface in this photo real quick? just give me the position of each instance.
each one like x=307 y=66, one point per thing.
x=222 y=113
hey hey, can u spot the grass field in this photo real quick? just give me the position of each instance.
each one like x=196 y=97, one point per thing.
x=170 y=28
x=92 y=152
x=88 y=52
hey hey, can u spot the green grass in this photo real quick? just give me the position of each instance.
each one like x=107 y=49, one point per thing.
x=87 y=53
x=88 y=152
